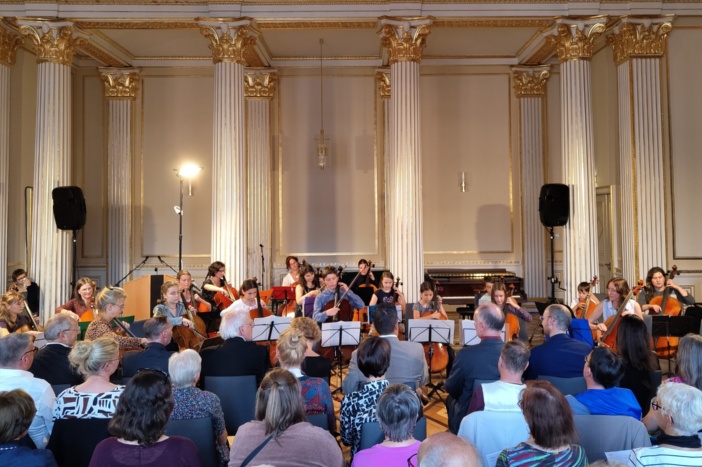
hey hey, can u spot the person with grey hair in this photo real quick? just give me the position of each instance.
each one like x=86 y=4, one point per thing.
x=397 y=411
x=475 y=362
x=237 y=355
x=17 y=351
x=678 y=409
x=560 y=355
x=191 y=402
x=447 y=450
x=51 y=361
x=158 y=332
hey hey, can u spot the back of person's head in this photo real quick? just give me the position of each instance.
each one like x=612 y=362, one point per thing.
x=447 y=450
x=606 y=367
x=690 y=360
x=374 y=356
x=683 y=403
x=397 y=410
x=154 y=327
x=385 y=318
x=184 y=368
x=17 y=411
x=561 y=316
x=309 y=328
x=515 y=356
x=291 y=348
x=491 y=316
x=231 y=322
x=110 y=296
x=548 y=415
x=634 y=343
x=56 y=325
x=88 y=357
x=13 y=347
x=279 y=402
x=144 y=408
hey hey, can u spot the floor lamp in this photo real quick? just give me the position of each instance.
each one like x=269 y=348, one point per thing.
x=186 y=172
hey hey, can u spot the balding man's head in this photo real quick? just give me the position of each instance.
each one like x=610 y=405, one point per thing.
x=447 y=450
x=489 y=320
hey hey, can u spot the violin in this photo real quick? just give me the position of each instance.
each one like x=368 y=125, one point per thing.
x=609 y=338
x=435 y=353
x=670 y=306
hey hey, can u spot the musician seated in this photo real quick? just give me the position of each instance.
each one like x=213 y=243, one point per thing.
x=293 y=266
x=12 y=313
x=247 y=298
x=83 y=298
x=388 y=292
x=110 y=303
x=656 y=285
x=158 y=332
x=603 y=370
x=407 y=362
x=481 y=298
x=51 y=362
x=97 y=397
x=330 y=276
x=560 y=355
x=171 y=306
x=28 y=288
x=17 y=411
x=617 y=290
x=504 y=394
x=314 y=364
x=308 y=286
x=578 y=305
x=237 y=355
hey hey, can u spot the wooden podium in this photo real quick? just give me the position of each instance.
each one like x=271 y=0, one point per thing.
x=142 y=294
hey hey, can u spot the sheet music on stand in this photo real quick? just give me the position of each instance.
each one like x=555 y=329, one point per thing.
x=269 y=328
x=441 y=331
x=468 y=334
x=350 y=332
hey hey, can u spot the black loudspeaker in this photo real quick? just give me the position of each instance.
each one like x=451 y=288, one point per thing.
x=69 y=207
x=554 y=204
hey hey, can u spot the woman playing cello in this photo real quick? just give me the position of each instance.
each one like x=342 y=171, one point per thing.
x=617 y=290
x=307 y=286
x=509 y=306
x=247 y=300
x=656 y=284
x=214 y=284
x=191 y=299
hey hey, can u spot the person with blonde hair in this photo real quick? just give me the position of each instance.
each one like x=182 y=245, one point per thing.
x=110 y=304
x=314 y=364
x=12 y=315
x=17 y=411
x=97 y=397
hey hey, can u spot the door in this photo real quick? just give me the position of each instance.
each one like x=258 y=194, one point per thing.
x=604 y=234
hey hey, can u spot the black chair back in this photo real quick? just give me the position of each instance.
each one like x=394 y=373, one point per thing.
x=320 y=420
x=73 y=440
x=200 y=432
x=238 y=397
x=58 y=388
x=372 y=434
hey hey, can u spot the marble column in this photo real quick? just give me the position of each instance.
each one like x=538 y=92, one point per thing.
x=638 y=46
x=404 y=41
x=229 y=40
x=259 y=89
x=574 y=40
x=9 y=43
x=51 y=251
x=382 y=77
x=121 y=88
x=530 y=89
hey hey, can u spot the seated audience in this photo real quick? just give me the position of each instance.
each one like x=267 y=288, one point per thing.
x=561 y=355
x=640 y=362
x=447 y=450
x=17 y=411
x=316 y=394
x=678 y=408
x=552 y=431
x=503 y=395
x=16 y=354
x=359 y=406
x=237 y=355
x=51 y=361
x=314 y=364
x=281 y=431
x=110 y=304
x=603 y=370
x=139 y=425
x=398 y=407
x=158 y=332
x=190 y=402
x=97 y=397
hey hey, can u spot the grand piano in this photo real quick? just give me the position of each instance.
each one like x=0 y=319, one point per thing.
x=459 y=286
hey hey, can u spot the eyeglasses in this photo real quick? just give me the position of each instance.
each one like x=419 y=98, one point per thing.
x=656 y=405
x=412 y=460
x=121 y=307
x=33 y=351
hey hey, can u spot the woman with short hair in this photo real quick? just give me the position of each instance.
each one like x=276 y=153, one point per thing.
x=551 y=428
x=17 y=411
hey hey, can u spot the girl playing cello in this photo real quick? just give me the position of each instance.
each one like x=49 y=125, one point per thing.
x=215 y=283
x=388 y=292
x=171 y=306
x=308 y=285
x=656 y=284
x=431 y=307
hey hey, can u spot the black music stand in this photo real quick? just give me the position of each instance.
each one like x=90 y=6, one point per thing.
x=281 y=294
x=268 y=329
x=337 y=334
x=673 y=326
x=432 y=332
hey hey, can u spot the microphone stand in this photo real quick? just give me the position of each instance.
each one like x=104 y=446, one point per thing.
x=263 y=265
x=138 y=266
x=167 y=265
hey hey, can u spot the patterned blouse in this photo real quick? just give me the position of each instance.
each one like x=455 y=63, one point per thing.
x=317 y=398
x=358 y=408
x=524 y=454
x=191 y=402
x=100 y=328
x=74 y=404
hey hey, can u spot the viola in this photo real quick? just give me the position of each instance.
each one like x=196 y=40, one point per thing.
x=609 y=338
x=670 y=306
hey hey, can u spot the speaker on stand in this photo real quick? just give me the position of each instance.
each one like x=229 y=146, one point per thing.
x=554 y=210
x=70 y=214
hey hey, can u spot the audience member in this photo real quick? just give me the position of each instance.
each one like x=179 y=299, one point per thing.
x=237 y=355
x=359 y=407
x=190 y=402
x=110 y=305
x=560 y=355
x=603 y=370
x=158 y=332
x=314 y=364
x=447 y=450
x=640 y=362
x=407 y=361
x=280 y=435
x=474 y=362
x=139 y=425
x=503 y=395
x=16 y=354
x=28 y=288
x=51 y=361
x=398 y=407
x=17 y=411
x=678 y=408
x=551 y=428
x=83 y=298
x=97 y=397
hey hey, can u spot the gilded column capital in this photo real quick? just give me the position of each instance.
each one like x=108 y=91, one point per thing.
x=54 y=41
x=230 y=39
x=639 y=37
x=9 y=43
x=120 y=83
x=260 y=83
x=530 y=81
x=405 y=39
x=575 y=39
x=383 y=79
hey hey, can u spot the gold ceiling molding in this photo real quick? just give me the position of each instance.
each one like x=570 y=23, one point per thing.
x=9 y=43
x=639 y=38
x=530 y=81
x=116 y=24
x=574 y=39
x=540 y=56
x=492 y=23
x=405 y=39
x=54 y=41
x=260 y=84
x=322 y=24
x=316 y=59
x=229 y=38
x=120 y=83
x=100 y=55
x=383 y=79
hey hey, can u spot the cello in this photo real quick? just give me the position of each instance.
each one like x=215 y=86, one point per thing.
x=223 y=301
x=345 y=313
x=670 y=306
x=435 y=353
x=609 y=337
x=586 y=307
x=512 y=327
x=188 y=338
x=260 y=312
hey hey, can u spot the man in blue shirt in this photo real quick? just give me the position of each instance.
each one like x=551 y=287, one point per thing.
x=330 y=276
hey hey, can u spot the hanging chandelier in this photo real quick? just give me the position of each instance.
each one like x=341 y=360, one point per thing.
x=322 y=149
